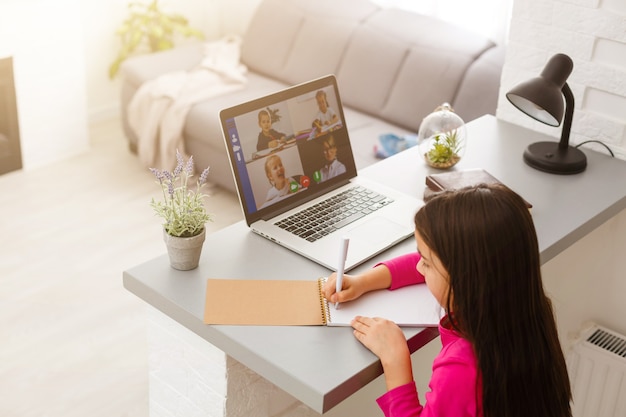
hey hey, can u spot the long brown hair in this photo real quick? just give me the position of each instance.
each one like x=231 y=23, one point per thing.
x=485 y=238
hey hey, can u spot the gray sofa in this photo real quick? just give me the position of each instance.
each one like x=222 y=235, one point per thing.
x=393 y=68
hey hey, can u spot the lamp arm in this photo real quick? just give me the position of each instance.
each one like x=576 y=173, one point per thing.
x=567 y=120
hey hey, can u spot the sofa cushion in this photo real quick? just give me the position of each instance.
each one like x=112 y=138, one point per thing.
x=410 y=100
x=417 y=29
x=431 y=50
x=268 y=40
x=299 y=40
x=478 y=93
x=365 y=79
x=317 y=49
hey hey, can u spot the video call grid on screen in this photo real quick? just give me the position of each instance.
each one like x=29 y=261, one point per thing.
x=301 y=152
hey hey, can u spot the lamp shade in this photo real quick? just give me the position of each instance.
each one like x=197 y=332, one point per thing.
x=549 y=99
x=542 y=98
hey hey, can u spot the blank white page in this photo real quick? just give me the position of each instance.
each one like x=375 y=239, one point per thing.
x=411 y=306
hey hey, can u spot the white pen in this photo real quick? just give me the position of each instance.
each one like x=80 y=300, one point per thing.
x=343 y=254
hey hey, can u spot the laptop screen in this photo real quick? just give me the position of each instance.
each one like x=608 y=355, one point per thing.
x=288 y=147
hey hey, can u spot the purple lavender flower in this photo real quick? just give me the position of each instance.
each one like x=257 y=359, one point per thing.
x=179 y=164
x=203 y=176
x=158 y=174
x=182 y=208
x=189 y=166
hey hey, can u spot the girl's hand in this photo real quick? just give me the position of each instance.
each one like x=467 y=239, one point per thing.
x=351 y=288
x=386 y=340
x=354 y=286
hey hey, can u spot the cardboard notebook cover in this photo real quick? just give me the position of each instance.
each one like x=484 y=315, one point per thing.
x=454 y=180
x=301 y=303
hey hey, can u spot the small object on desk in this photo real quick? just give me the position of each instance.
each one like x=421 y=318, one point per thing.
x=392 y=144
x=442 y=137
x=302 y=303
x=454 y=180
x=343 y=254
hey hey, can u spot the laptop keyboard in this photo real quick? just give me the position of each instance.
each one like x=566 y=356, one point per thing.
x=334 y=213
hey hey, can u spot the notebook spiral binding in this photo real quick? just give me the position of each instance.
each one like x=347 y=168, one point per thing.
x=323 y=302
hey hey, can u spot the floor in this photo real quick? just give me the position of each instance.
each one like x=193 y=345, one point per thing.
x=72 y=339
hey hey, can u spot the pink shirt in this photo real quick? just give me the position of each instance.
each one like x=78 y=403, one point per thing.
x=454 y=389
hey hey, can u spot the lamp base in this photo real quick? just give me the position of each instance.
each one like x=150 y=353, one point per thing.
x=547 y=157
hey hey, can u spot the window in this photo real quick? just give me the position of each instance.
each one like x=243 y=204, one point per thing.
x=489 y=18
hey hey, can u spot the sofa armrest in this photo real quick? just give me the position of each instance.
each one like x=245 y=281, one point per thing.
x=140 y=68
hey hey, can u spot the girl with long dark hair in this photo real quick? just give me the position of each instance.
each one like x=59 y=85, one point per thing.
x=477 y=252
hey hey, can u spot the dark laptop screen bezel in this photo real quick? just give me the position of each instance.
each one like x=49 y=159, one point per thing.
x=306 y=148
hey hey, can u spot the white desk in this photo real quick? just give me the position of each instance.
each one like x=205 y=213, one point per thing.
x=323 y=366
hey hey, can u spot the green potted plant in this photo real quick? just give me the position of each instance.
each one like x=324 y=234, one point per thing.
x=183 y=212
x=150 y=27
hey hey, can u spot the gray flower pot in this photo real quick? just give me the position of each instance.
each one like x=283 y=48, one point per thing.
x=184 y=252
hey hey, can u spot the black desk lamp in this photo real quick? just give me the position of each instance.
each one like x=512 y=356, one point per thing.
x=542 y=99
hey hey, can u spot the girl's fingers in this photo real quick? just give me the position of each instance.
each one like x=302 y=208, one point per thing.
x=362 y=324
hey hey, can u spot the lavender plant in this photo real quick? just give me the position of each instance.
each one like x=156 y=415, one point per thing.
x=182 y=208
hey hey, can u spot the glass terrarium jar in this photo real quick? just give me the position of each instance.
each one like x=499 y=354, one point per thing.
x=442 y=137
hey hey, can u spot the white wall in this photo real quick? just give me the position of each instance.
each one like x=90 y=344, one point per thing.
x=44 y=39
x=61 y=53
x=593 y=34
x=214 y=17
x=587 y=281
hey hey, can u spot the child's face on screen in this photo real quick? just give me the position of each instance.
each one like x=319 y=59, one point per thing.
x=265 y=123
x=330 y=152
x=275 y=171
x=321 y=103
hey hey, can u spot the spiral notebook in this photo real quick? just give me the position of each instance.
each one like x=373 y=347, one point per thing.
x=301 y=303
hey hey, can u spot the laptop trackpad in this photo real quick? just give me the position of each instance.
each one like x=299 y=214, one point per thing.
x=377 y=231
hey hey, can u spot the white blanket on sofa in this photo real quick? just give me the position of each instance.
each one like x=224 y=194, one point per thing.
x=158 y=110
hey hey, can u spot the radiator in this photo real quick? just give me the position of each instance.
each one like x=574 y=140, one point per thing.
x=597 y=369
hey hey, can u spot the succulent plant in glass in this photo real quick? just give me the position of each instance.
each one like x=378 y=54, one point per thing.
x=442 y=137
x=444 y=149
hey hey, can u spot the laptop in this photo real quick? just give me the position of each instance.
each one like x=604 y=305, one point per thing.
x=292 y=160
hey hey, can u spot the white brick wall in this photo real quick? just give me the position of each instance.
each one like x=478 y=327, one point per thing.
x=189 y=377
x=593 y=34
